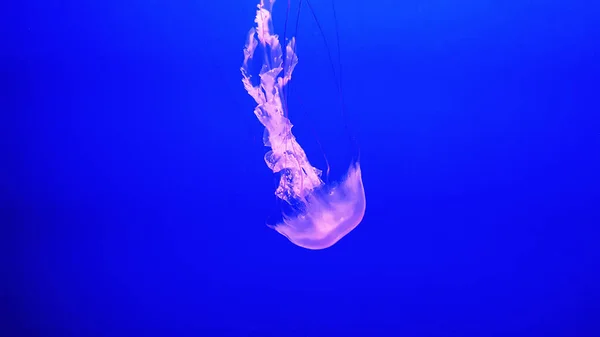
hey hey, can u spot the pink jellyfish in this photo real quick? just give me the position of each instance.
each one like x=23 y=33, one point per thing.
x=323 y=213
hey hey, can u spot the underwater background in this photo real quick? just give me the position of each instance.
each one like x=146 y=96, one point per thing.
x=134 y=194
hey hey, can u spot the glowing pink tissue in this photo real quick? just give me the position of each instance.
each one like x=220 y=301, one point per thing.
x=326 y=213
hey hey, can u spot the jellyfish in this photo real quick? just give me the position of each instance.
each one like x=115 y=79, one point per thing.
x=322 y=213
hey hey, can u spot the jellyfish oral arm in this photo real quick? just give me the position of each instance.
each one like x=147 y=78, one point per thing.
x=298 y=177
x=327 y=213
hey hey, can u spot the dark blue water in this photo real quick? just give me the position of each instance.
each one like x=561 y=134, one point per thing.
x=134 y=195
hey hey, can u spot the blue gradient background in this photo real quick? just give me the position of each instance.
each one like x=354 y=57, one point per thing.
x=134 y=195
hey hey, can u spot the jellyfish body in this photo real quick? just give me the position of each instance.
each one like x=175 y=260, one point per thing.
x=324 y=214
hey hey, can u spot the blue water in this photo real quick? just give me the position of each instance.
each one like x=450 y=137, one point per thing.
x=135 y=196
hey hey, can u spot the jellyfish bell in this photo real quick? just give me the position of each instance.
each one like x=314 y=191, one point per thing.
x=328 y=213
x=322 y=213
